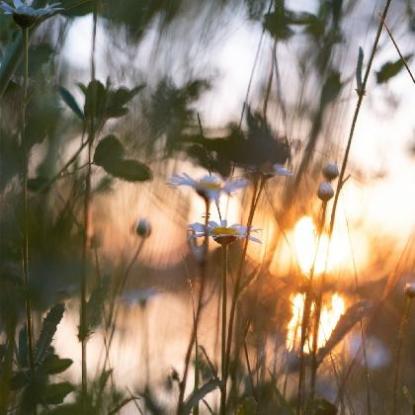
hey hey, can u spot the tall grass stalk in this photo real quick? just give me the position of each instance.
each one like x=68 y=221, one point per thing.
x=317 y=312
x=398 y=355
x=197 y=315
x=25 y=167
x=361 y=94
x=87 y=222
x=305 y=323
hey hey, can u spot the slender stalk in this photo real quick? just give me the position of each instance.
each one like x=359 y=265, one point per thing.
x=259 y=183
x=87 y=221
x=408 y=69
x=223 y=329
x=25 y=167
x=317 y=314
x=361 y=95
x=306 y=320
x=399 y=347
x=197 y=315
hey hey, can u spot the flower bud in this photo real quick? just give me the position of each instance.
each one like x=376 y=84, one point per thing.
x=143 y=228
x=325 y=191
x=410 y=290
x=330 y=171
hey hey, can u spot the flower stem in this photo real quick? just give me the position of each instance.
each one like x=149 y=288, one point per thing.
x=25 y=200
x=224 y=363
x=87 y=219
x=259 y=183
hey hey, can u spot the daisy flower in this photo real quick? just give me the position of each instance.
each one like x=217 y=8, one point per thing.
x=222 y=233
x=24 y=15
x=209 y=187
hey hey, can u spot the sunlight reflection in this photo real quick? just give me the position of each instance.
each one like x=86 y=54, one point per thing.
x=331 y=312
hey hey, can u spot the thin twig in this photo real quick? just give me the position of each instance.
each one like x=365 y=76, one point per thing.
x=398 y=50
x=361 y=95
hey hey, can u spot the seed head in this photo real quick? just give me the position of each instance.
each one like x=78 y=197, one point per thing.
x=143 y=228
x=330 y=171
x=410 y=290
x=325 y=191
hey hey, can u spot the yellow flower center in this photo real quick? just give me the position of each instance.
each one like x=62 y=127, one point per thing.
x=221 y=230
x=206 y=185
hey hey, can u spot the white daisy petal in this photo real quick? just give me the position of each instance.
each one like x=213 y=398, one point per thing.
x=197 y=227
x=233 y=185
x=280 y=170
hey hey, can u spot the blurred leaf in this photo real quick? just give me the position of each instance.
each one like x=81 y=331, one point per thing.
x=108 y=150
x=331 y=88
x=95 y=308
x=95 y=100
x=77 y=8
x=54 y=394
x=50 y=324
x=322 y=407
x=22 y=357
x=197 y=395
x=70 y=101
x=359 y=66
x=37 y=184
x=117 y=99
x=53 y=364
x=277 y=23
x=391 y=69
x=129 y=170
x=247 y=407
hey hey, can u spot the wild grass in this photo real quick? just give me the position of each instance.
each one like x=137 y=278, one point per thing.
x=234 y=323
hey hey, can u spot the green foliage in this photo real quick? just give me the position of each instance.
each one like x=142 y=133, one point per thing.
x=256 y=148
x=109 y=155
x=391 y=69
x=108 y=149
x=70 y=101
x=50 y=324
x=104 y=102
x=321 y=407
x=331 y=88
x=55 y=393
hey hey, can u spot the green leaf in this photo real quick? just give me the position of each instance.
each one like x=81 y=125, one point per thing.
x=391 y=69
x=95 y=100
x=22 y=357
x=197 y=395
x=53 y=364
x=108 y=150
x=129 y=170
x=54 y=394
x=70 y=101
x=50 y=324
x=359 y=79
x=117 y=100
